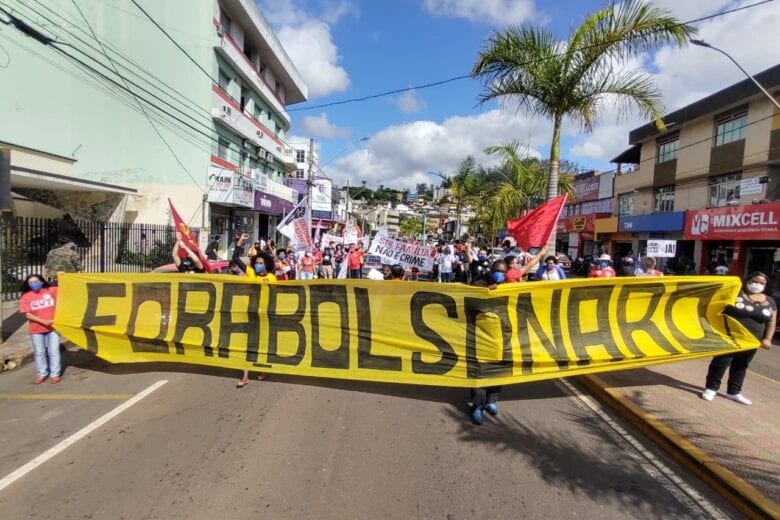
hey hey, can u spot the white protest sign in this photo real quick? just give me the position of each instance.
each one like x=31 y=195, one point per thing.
x=408 y=255
x=662 y=248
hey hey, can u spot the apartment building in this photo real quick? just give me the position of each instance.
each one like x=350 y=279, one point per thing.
x=592 y=203
x=710 y=182
x=218 y=144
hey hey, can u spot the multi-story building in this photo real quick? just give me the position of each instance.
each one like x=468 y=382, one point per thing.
x=217 y=145
x=711 y=182
x=592 y=200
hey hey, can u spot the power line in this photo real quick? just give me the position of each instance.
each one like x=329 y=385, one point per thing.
x=530 y=62
x=140 y=105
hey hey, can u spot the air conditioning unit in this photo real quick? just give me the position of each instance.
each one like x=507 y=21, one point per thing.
x=226 y=111
x=220 y=31
x=261 y=153
x=216 y=112
x=260 y=134
x=246 y=143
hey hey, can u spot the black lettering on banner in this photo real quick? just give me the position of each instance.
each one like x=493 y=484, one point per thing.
x=527 y=319
x=365 y=358
x=160 y=293
x=475 y=307
x=449 y=358
x=95 y=291
x=627 y=328
x=286 y=323
x=186 y=320
x=582 y=340
x=250 y=327
x=337 y=294
x=704 y=294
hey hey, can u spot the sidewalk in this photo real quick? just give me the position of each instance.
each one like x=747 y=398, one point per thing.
x=733 y=447
x=17 y=345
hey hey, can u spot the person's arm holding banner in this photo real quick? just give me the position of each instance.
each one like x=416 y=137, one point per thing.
x=193 y=256
x=237 y=250
x=535 y=260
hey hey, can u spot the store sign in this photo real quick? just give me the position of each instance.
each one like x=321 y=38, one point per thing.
x=586 y=189
x=577 y=224
x=271 y=204
x=321 y=192
x=751 y=186
x=230 y=188
x=652 y=222
x=662 y=248
x=753 y=222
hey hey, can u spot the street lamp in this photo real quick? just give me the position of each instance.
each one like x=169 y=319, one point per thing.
x=702 y=43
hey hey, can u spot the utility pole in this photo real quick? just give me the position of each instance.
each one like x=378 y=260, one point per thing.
x=310 y=182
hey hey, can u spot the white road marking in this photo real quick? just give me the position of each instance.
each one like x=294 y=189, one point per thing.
x=66 y=443
x=662 y=473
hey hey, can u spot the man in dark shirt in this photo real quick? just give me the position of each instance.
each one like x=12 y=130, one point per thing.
x=479 y=264
x=211 y=249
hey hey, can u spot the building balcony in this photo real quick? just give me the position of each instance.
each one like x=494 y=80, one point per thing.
x=228 y=112
x=271 y=187
x=229 y=50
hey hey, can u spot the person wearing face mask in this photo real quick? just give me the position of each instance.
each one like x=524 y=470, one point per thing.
x=550 y=270
x=63 y=259
x=259 y=268
x=306 y=266
x=37 y=305
x=282 y=266
x=648 y=268
x=757 y=312
x=603 y=268
x=516 y=270
x=479 y=264
x=486 y=399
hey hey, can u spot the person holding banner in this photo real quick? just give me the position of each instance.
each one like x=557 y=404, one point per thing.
x=515 y=271
x=603 y=268
x=259 y=267
x=486 y=399
x=281 y=266
x=355 y=262
x=757 y=312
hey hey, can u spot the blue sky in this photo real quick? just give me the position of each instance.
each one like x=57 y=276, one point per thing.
x=347 y=49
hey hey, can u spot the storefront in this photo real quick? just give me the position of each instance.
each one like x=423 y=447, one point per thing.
x=666 y=226
x=270 y=209
x=576 y=235
x=605 y=230
x=231 y=201
x=743 y=238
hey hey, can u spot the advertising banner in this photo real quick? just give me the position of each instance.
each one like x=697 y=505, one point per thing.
x=321 y=193
x=401 y=332
x=230 y=188
x=586 y=189
x=753 y=222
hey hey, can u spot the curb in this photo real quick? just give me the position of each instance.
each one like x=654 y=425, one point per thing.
x=746 y=498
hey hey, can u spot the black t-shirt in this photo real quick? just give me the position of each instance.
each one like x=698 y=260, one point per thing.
x=480 y=270
x=327 y=256
x=186 y=266
x=753 y=316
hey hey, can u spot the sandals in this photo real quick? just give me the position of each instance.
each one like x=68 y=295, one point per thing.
x=262 y=376
x=39 y=380
x=242 y=383
x=55 y=379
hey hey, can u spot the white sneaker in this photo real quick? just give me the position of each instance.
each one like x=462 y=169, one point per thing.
x=739 y=398
x=708 y=395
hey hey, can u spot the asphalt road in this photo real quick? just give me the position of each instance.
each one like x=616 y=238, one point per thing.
x=198 y=448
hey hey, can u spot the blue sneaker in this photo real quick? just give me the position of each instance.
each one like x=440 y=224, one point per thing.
x=492 y=408
x=477 y=417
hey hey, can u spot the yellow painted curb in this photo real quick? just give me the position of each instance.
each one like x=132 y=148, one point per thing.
x=747 y=499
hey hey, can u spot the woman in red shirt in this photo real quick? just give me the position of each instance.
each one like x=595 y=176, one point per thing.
x=515 y=273
x=38 y=304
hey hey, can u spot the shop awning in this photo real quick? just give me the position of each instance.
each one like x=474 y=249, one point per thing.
x=30 y=179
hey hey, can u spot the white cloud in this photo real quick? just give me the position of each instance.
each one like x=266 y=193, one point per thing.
x=494 y=12
x=408 y=102
x=402 y=155
x=320 y=127
x=309 y=42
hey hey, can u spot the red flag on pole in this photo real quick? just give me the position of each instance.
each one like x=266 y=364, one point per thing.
x=187 y=236
x=534 y=229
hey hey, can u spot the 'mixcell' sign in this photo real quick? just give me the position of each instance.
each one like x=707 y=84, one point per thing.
x=753 y=222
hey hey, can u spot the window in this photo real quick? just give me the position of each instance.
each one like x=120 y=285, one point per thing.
x=277 y=86
x=300 y=173
x=224 y=80
x=252 y=162
x=625 y=204
x=223 y=148
x=724 y=189
x=731 y=127
x=667 y=148
x=663 y=199
x=300 y=156
x=261 y=67
x=224 y=21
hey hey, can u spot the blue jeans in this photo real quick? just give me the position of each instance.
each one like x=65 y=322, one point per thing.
x=48 y=342
x=305 y=275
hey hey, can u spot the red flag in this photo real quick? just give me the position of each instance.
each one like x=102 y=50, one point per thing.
x=534 y=229
x=187 y=236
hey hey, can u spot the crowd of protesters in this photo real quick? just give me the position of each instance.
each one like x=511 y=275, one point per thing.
x=460 y=261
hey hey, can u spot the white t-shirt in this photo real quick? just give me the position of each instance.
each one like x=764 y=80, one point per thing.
x=550 y=275
x=447 y=261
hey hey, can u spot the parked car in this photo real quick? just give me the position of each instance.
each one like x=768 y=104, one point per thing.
x=217 y=267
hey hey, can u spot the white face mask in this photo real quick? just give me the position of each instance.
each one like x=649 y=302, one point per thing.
x=755 y=287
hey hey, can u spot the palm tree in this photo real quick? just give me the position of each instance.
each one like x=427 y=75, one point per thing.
x=462 y=186
x=410 y=227
x=545 y=76
x=522 y=183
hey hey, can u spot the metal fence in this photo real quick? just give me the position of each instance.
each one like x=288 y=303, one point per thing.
x=104 y=247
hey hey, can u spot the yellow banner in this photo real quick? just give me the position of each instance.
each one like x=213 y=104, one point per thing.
x=401 y=332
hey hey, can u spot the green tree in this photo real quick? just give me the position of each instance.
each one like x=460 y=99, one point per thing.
x=463 y=186
x=410 y=228
x=545 y=76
